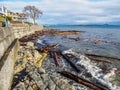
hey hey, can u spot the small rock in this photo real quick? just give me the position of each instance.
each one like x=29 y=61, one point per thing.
x=30 y=44
x=20 y=86
x=41 y=71
x=29 y=88
x=37 y=54
x=51 y=85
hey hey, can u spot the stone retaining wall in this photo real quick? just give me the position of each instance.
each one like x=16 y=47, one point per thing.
x=20 y=31
x=8 y=50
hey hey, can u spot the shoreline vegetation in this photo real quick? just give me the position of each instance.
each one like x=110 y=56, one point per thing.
x=30 y=69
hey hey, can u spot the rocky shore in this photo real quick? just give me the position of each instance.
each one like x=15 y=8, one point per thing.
x=30 y=73
x=49 y=68
x=29 y=76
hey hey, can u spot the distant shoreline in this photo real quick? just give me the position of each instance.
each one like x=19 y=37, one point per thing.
x=104 y=25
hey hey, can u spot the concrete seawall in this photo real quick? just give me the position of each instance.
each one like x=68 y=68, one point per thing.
x=9 y=46
x=22 y=30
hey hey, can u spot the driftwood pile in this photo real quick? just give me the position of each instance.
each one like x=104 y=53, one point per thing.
x=56 y=54
x=55 y=32
x=33 y=37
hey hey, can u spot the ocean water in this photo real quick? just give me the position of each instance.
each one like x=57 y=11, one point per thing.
x=109 y=37
x=96 y=31
x=109 y=45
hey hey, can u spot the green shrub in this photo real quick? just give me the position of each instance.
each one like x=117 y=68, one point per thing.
x=2 y=18
x=29 y=23
x=9 y=18
x=15 y=22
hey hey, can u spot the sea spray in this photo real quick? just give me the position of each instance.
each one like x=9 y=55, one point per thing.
x=96 y=72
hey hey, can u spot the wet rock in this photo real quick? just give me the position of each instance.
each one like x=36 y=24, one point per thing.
x=45 y=79
x=41 y=85
x=37 y=55
x=37 y=78
x=62 y=84
x=57 y=88
x=20 y=86
x=29 y=88
x=30 y=44
x=51 y=85
x=41 y=71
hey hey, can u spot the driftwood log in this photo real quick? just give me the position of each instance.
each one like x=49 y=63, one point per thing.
x=51 y=54
x=100 y=56
x=116 y=71
x=75 y=39
x=71 y=63
x=98 y=60
x=82 y=81
x=56 y=58
x=47 y=48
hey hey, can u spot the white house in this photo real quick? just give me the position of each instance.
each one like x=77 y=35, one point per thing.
x=16 y=16
x=3 y=10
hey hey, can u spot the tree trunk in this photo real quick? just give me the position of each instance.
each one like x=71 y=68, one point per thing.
x=34 y=21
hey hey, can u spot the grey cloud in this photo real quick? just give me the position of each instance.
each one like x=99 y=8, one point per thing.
x=73 y=11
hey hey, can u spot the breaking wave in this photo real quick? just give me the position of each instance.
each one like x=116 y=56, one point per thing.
x=95 y=71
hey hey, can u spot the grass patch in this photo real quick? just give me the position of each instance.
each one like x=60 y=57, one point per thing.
x=1 y=18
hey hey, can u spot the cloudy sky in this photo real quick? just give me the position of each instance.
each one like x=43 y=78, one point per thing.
x=71 y=11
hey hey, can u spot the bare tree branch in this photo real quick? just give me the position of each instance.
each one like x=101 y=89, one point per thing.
x=33 y=12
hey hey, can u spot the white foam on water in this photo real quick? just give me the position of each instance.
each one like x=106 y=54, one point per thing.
x=63 y=64
x=40 y=42
x=95 y=71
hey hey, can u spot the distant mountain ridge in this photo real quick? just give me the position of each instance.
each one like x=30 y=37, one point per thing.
x=114 y=25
